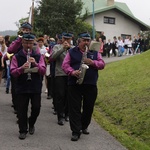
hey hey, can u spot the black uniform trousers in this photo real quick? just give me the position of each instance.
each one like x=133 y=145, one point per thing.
x=13 y=93
x=81 y=104
x=23 y=104
x=49 y=85
x=53 y=92
x=61 y=96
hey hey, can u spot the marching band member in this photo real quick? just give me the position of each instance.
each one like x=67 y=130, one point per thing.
x=82 y=96
x=28 y=90
x=58 y=53
x=16 y=45
x=14 y=48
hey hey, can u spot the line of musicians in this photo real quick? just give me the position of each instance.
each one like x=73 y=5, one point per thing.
x=73 y=102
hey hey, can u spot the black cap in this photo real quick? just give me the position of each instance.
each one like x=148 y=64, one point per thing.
x=59 y=36
x=28 y=36
x=84 y=35
x=67 y=35
x=26 y=25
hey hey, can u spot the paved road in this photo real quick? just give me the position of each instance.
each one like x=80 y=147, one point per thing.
x=49 y=135
x=113 y=59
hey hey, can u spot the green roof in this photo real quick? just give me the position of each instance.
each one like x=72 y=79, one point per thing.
x=101 y=6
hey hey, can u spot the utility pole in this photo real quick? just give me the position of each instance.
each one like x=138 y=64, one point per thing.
x=32 y=15
x=93 y=20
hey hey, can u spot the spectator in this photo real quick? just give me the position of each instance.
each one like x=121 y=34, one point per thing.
x=114 y=46
x=108 y=47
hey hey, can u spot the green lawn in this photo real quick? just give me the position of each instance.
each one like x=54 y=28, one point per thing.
x=123 y=102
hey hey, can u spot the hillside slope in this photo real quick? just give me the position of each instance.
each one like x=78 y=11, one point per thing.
x=123 y=102
x=8 y=32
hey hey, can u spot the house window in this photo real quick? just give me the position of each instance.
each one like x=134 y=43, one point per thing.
x=109 y=20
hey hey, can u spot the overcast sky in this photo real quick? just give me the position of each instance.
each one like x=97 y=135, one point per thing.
x=13 y=10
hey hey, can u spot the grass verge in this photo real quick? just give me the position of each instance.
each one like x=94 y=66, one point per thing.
x=123 y=102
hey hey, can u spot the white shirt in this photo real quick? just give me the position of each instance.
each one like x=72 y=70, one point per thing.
x=43 y=50
x=120 y=43
x=3 y=52
x=130 y=43
x=126 y=41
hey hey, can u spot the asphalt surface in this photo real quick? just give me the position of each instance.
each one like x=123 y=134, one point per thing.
x=48 y=134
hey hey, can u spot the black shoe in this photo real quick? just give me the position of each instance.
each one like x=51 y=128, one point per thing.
x=67 y=118
x=75 y=137
x=17 y=122
x=31 y=130
x=7 y=90
x=49 y=97
x=85 y=131
x=15 y=111
x=55 y=112
x=61 y=122
x=22 y=136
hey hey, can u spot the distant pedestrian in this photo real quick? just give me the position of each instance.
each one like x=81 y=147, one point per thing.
x=108 y=47
x=120 y=45
x=114 y=46
x=126 y=41
x=7 y=58
x=7 y=40
x=103 y=37
x=129 y=45
x=101 y=50
x=3 y=51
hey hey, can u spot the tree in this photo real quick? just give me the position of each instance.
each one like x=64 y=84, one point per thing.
x=55 y=16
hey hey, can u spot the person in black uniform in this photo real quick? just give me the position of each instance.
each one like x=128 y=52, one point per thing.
x=28 y=84
x=82 y=94
x=14 y=48
x=58 y=53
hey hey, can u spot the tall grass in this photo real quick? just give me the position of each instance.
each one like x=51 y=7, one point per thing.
x=123 y=102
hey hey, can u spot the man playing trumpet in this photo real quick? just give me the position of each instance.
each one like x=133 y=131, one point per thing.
x=82 y=96
x=31 y=90
x=58 y=53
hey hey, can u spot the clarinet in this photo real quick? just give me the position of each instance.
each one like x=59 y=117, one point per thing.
x=29 y=73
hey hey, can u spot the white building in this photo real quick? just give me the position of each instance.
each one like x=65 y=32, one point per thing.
x=113 y=18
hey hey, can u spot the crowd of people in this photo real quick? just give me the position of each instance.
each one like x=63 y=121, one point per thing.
x=120 y=46
x=69 y=72
x=33 y=61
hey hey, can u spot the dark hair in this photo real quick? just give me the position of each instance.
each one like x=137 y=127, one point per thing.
x=7 y=37
x=115 y=37
x=7 y=40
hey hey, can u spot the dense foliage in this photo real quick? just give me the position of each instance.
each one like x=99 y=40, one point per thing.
x=52 y=17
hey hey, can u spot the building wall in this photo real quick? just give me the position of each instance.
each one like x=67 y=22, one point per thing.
x=110 y=2
x=122 y=24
